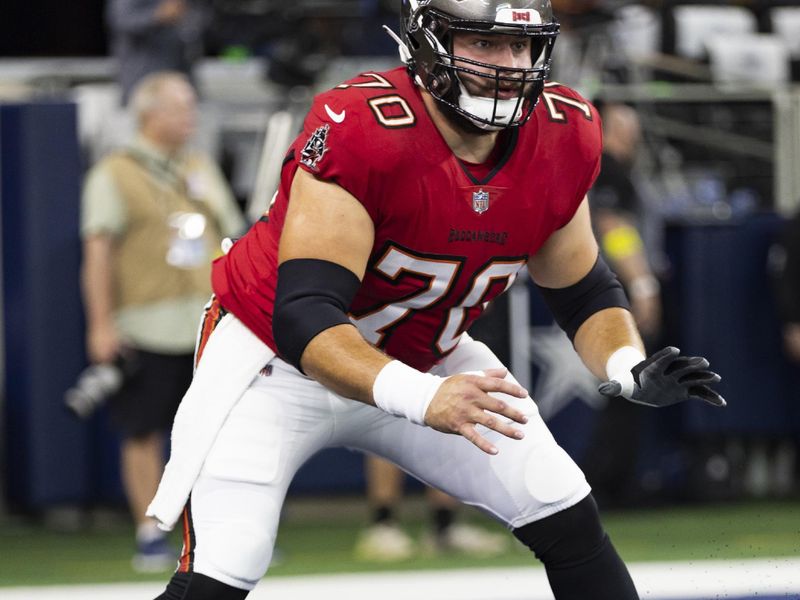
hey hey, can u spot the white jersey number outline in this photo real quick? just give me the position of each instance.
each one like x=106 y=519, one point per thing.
x=495 y=271
x=439 y=275
x=396 y=262
x=552 y=99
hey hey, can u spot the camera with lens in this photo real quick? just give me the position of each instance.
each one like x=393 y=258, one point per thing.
x=96 y=384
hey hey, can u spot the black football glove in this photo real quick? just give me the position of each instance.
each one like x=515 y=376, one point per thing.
x=667 y=378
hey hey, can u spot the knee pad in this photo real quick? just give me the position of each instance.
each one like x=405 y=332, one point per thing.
x=196 y=586
x=569 y=537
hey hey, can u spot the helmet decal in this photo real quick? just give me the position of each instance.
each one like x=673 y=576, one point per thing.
x=519 y=15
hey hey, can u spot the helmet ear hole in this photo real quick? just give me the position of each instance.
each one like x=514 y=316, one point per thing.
x=439 y=83
x=432 y=24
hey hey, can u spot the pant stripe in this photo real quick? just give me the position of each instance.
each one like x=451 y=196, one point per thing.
x=212 y=317
x=187 y=556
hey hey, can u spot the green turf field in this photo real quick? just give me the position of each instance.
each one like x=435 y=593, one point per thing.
x=318 y=537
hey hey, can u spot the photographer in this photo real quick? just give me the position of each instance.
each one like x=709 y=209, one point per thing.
x=153 y=215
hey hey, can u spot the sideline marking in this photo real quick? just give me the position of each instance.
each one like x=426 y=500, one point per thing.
x=697 y=580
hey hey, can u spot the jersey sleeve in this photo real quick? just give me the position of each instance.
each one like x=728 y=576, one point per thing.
x=584 y=142
x=335 y=147
x=590 y=144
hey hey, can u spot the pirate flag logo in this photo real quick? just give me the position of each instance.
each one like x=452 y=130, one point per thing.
x=315 y=147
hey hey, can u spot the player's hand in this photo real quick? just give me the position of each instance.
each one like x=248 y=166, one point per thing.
x=463 y=401
x=667 y=378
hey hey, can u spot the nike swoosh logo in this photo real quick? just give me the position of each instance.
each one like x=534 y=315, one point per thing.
x=335 y=117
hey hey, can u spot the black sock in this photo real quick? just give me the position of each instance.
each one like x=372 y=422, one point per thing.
x=196 y=586
x=602 y=576
x=383 y=514
x=580 y=560
x=442 y=519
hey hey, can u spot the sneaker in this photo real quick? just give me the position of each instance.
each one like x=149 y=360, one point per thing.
x=384 y=543
x=155 y=556
x=467 y=539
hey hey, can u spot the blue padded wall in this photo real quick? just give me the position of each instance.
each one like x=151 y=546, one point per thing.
x=46 y=448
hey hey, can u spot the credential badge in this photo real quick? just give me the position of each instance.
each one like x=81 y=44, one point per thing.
x=480 y=201
x=315 y=147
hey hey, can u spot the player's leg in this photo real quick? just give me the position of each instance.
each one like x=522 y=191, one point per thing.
x=197 y=586
x=231 y=520
x=578 y=555
x=142 y=460
x=384 y=484
x=384 y=540
x=443 y=506
x=143 y=410
x=531 y=485
x=141 y=464
x=448 y=533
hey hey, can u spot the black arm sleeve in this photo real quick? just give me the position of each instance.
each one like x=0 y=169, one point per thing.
x=571 y=306
x=312 y=296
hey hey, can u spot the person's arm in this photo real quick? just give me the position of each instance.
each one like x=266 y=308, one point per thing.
x=586 y=300
x=625 y=252
x=564 y=260
x=102 y=340
x=103 y=219
x=327 y=229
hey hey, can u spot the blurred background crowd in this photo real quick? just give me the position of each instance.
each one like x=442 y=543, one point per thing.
x=695 y=209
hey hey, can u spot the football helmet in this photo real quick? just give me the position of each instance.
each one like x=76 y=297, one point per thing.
x=426 y=46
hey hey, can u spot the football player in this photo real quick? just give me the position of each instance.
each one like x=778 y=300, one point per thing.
x=412 y=199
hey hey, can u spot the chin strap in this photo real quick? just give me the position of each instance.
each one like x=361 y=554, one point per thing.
x=483 y=108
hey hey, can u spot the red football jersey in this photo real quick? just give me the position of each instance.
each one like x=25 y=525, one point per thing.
x=449 y=236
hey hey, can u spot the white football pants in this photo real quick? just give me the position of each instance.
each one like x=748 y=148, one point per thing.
x=284 y=418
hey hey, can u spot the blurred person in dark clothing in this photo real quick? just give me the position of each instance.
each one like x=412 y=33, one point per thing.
x=154 y=35
x=616 y=212
x=788 y=289
x=616 y=208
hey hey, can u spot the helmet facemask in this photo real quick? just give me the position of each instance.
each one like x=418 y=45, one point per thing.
x=428 y=34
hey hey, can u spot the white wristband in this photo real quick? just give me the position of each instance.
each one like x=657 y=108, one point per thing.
x=619 y=365
x=405 y=392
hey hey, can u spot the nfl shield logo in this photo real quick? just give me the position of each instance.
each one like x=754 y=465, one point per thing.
x=480 y=201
